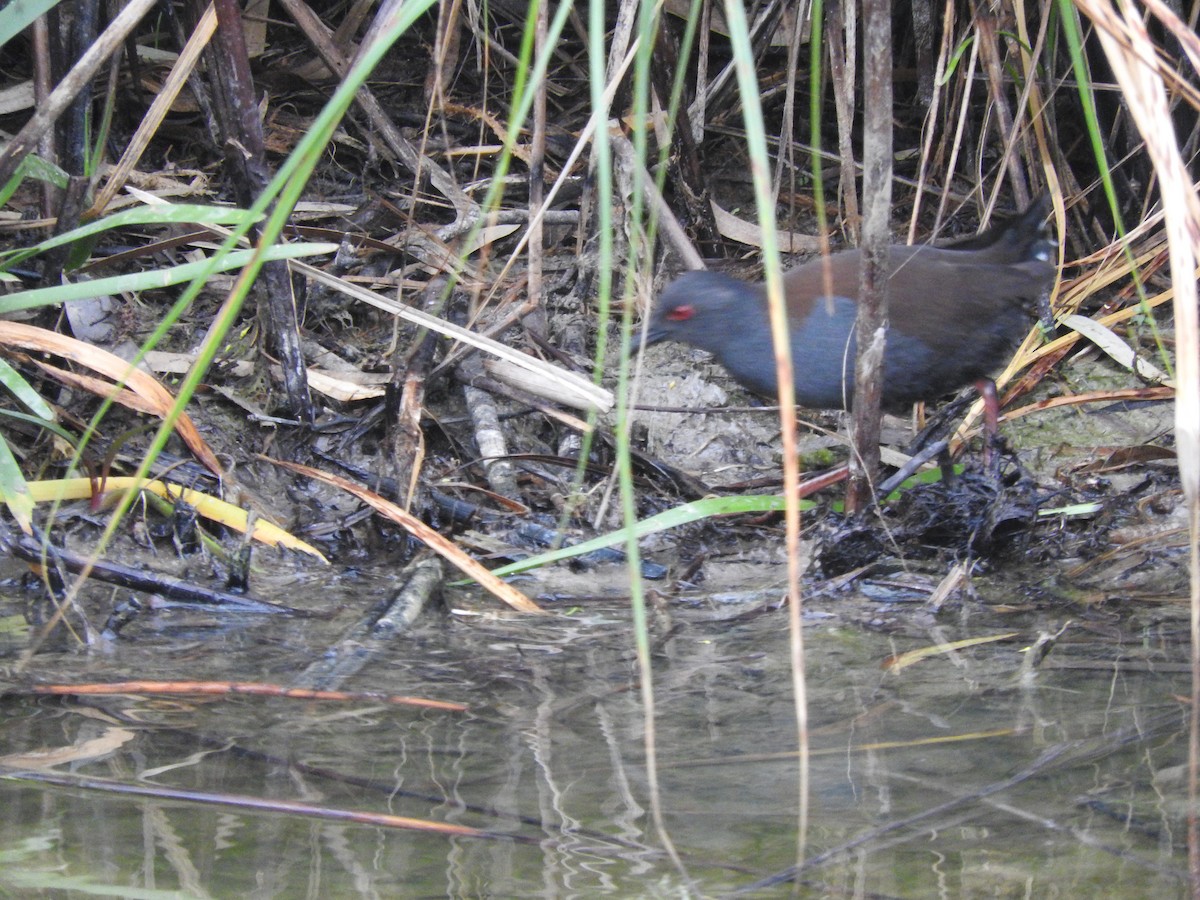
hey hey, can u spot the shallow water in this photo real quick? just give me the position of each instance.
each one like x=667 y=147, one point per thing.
x=951 y=777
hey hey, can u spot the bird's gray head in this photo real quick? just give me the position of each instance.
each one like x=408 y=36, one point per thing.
x=702 y=309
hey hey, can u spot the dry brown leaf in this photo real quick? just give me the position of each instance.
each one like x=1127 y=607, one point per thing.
x=157 y=398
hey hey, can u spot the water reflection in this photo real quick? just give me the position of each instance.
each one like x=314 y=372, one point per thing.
x=951 y=777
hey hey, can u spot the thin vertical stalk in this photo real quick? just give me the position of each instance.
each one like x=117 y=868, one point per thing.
x=639 y=250
x=871 y=327
x=756 y=140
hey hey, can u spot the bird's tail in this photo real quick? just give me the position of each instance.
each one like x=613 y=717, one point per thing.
x=1023 y=238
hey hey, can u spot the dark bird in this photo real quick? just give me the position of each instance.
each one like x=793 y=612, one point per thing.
x=955 y=315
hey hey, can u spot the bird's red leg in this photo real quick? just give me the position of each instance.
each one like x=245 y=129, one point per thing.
x=991 y=416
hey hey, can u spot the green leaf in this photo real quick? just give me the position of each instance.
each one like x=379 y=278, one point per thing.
x=24 y=391
x=20 y=14
x=672 y=518
x=183 y=213
x=146 y=281
x=13 y=489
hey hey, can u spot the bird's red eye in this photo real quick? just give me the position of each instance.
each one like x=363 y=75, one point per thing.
x=681 y=313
